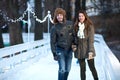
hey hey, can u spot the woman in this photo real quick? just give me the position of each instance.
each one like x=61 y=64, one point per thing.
x=84 y=40
x=61 y=40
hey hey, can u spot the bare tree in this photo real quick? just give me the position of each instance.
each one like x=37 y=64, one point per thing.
x=1 y=24
x=12 y=8
x=79 y=5
x=67 y=7
x=1 y=40
x=38 y=26
x=14 y=28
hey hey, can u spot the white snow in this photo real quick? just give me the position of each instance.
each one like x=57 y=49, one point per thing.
x=47 y=69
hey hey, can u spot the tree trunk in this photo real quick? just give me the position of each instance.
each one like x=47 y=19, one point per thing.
x=38 y=26
x=1 y=39
x=79 y=5
x=15 y=33
x=2 y=23
x=83 y=4
x=67 y=8
x=14 y=28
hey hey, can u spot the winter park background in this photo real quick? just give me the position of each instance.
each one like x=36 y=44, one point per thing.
x=25 y=52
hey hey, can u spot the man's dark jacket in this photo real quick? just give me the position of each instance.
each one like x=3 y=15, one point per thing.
x=61 y=36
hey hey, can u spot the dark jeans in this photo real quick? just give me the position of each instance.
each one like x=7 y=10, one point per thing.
x=83 y=68
x=64 y=61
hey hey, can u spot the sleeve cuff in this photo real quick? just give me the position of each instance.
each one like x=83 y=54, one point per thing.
x=91 y=53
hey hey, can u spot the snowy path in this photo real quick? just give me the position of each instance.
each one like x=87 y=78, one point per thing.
x=46 y=69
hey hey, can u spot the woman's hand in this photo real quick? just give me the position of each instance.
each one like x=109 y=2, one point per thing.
x=90 y=55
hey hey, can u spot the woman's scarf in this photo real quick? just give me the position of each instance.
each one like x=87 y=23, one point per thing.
x=80 y=33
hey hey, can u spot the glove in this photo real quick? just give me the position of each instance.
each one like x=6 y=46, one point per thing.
x=90 y=55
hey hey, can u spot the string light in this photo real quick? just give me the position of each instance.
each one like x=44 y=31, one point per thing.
x=23 y=16
x=13 y=20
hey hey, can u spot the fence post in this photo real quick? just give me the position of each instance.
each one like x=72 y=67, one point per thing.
x=48 y=22
x=29 y=22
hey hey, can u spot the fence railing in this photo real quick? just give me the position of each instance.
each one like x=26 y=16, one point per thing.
x=21 y=56
x=108 y=61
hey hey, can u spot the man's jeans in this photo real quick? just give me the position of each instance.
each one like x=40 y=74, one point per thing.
x=64 y=61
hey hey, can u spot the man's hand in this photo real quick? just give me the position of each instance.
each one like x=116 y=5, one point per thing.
x=74 y=47
x=56 y=58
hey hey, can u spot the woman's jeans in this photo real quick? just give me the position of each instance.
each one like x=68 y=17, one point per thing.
x=83 y=68
x=64 y=61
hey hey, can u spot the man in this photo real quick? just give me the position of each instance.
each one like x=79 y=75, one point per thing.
x=61 y=39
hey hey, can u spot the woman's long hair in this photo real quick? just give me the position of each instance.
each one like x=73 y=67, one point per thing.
x=87 y=21
x=59 y=11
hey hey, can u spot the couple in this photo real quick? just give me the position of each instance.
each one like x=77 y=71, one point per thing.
x=65 y=39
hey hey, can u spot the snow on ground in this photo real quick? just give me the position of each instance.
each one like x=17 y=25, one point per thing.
x=47 y=69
